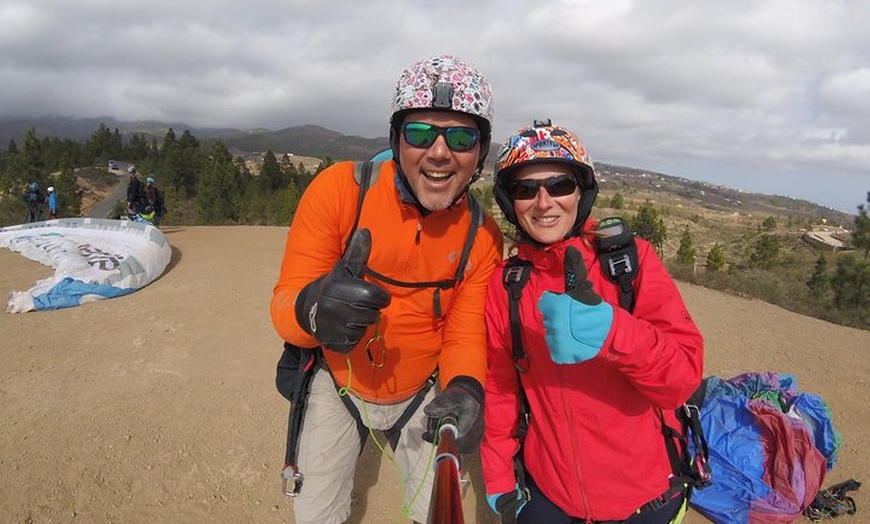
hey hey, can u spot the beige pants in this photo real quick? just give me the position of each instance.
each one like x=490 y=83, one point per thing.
x=329 y=447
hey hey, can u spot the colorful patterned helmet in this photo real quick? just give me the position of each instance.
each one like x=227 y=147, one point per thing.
x=443 y=83
x=150 y=179
x=540 y=143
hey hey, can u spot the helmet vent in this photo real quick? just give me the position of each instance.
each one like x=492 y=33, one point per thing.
x=442 y=95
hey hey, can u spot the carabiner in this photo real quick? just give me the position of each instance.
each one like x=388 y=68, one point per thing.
x=291 y=483
x=378 y=342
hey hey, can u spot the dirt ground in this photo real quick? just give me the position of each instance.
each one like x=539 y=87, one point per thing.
x=160 y=406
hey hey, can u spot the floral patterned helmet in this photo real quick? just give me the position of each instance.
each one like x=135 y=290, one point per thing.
x=443 y=83
x=545 y=143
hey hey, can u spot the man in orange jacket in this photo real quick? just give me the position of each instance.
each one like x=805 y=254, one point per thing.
x=389 y=312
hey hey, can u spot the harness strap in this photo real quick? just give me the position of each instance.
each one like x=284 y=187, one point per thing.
x=688 y=470
x=292 y=477
x=297 y=409
x=617 y=253
x=514 y=278
x=394 y=432
x=477 y=218
x=365 y=174
x=361 y=428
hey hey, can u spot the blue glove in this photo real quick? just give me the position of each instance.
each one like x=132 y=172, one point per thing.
x=509 y=504
x=576 y=322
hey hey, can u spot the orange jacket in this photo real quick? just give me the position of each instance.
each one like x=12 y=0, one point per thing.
x=406 y=247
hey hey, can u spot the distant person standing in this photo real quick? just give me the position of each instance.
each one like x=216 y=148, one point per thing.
x=33 y=199
x=52 y=202
x=134 y=192
x=155 y=199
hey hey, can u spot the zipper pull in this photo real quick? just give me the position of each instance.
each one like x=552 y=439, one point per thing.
x=419 y=229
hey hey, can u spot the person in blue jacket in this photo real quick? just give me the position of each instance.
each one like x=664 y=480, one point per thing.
x=52 y=202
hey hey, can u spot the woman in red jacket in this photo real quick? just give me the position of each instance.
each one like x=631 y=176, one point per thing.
x=596 y=377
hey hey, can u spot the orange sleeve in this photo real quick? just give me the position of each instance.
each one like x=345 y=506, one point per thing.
x=315 y=242
x=464 y=349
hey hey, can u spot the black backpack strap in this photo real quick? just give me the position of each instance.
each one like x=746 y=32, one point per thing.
x=617 y=252
x=365 y=174
x=515 y=276
x=296 y=369
x=689 y=415
x=690 y=472
x=395 y=431
x=478 y=216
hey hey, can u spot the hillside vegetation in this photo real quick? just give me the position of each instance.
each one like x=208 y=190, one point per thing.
x=745 y=243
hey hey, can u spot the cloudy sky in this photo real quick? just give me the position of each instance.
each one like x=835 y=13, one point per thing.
x=770 y=96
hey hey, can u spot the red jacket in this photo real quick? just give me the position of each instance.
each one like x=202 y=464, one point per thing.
x=406 y=246
x=595 y=446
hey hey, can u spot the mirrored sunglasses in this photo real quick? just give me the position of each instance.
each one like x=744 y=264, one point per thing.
x=556 y=186
x=458 y=138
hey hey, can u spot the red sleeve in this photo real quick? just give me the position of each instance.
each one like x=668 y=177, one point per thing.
x=658 y=347
x=502 y=393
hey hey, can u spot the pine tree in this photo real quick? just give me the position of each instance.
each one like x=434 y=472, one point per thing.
x=271 y=178
x=765 y=251
x=686 y=251
x=647 y=224
x=31 y=160
x=617 y=201
x=716 y=258
x=851 y=282
x=69 y=198
x=861 y=232
x=218 y=198
x=818 y=282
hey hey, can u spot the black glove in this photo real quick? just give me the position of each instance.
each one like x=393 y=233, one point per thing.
x=462 y=399
x=338 y=307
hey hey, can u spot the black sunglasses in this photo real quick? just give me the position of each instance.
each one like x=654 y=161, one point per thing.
x=556 y=186
x=458 y=138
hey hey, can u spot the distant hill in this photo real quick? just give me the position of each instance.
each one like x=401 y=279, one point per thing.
x=319 y=142
x=714 y=197
x=80 y=129
x=309 y=140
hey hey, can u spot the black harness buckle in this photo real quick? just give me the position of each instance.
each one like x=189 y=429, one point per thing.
x=620 y=265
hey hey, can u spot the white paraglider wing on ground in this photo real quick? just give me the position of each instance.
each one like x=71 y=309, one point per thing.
x=93 y=259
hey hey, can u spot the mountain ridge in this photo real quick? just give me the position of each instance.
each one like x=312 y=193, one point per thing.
x=316 y=141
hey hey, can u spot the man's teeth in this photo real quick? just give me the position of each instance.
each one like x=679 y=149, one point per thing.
x=438 y=175
x=546 y=219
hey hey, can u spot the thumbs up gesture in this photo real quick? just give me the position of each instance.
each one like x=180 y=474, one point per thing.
x=338 y=307
x=576 y=322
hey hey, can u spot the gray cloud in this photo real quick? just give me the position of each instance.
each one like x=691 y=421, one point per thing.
x=766 y=96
